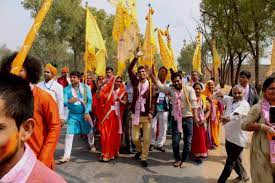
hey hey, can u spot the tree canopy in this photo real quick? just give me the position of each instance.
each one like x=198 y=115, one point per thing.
x=240 y=28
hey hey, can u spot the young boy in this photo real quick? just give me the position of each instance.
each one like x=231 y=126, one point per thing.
x=18 y=162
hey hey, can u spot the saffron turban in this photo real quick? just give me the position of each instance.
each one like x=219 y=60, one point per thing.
x=65 y=69
x=52 y=69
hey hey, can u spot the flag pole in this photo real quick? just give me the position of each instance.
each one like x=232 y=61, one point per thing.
x=85 y=60
x=151 y=63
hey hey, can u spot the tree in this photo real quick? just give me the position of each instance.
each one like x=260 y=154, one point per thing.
x=4 y=51
x=186 y=56
x=228 y=41
x=254 y=21
x=241 y=28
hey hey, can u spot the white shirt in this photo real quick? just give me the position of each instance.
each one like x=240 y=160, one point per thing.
x=233 y=131
x=191 y=83
x=56 y=91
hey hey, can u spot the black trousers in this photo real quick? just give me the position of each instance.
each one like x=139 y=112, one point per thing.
x=187 y=127
x=127 y=127
x=233 y=161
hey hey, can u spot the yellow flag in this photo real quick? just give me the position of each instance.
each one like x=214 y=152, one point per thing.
x=175 y=66
x=125 y=32
x=100 y=62
x=94 y=43
x=21 y=56
x=271 y=69
x=216 y=58
x=119 y=22
x=128 y=43
x=124 y=18
x=166 y=53
x=196 y=62
x=149 y=45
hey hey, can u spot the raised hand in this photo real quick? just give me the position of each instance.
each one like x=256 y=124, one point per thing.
x=140 y=53
x=148 y=70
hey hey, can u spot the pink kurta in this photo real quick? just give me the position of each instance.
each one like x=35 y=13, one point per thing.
x=28 y=169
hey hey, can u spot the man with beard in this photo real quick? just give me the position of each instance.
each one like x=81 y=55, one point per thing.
x=64 y=80
x=18 y=163
x=184 y=113
x=161 y=115
x=51 y=86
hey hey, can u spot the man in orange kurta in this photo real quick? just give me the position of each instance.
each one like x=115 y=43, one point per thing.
x=47 y=123
x=47 y=127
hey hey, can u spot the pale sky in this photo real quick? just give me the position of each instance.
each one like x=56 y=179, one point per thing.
x=180 y=14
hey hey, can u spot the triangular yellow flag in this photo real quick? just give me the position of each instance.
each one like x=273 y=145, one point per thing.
x=169 y=44
x=196 y=62
x=94 y=43
x=166 y=52
x=149 y=45
x=216 y=58
x=21 y=56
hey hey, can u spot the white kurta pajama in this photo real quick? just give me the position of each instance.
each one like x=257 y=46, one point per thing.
x=162 y=118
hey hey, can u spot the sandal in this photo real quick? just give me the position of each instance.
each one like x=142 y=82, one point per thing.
x=182 y=165
x=63 y=160
x=104 y=160
x=177 y=163
x=93 y=149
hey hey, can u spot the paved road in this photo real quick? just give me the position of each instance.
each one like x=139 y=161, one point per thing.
x=85 y=168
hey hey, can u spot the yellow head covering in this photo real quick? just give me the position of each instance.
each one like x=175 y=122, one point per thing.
x=207 y=91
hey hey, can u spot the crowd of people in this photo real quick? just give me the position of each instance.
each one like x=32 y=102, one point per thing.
x=130 y=118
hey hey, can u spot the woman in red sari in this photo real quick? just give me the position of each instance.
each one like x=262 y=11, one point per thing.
x=109 y=124
x=120 y=96
x=199 y=146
